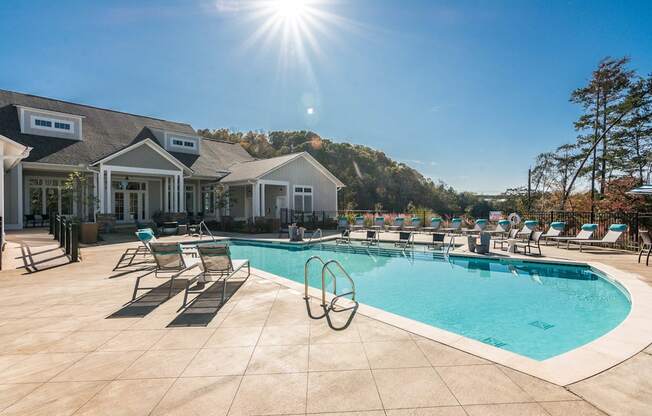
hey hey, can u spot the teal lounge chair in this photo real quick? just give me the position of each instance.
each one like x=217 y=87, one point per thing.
x=435 y=223
x=585 y=234
x=611 y=238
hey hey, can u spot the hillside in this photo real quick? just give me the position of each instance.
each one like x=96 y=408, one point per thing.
x=370 y=176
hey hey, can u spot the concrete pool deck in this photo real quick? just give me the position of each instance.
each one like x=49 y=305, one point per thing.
x=260 y=354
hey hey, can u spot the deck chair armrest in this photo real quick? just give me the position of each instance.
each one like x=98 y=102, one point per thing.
x=180 y=272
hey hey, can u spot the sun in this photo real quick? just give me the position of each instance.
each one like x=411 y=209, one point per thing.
x=290 y=9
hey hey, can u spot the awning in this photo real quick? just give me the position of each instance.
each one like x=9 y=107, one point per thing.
x=643 y=190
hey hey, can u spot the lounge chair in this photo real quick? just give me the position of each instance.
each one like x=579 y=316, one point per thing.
x=555 y=230
x=145 y=236
x=585 y=234
x=528 y=228
x=479 y=226
x=533 y=242
x=342 y=223
x=371 y=238
x=379 y=223
x=502 y=228
x=505 y=240
x=415 y=224
x=358 y=223
x=611 y=238
x=171 y=262
x=435 y=223
x=646 y=246
x=216 y=264
x=437 y=241
x=405 y=239
x=397 y=224
x=455 y=225
x=345 y=238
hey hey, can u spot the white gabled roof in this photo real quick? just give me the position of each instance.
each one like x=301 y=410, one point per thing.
x=13 y=152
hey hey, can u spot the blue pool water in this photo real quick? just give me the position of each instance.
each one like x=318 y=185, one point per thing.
x=534 y=309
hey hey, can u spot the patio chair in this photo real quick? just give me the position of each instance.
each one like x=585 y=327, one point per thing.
x=480 y=225
x=345 y=238
x=555 y=230
x=397 y=224
x=371 y=238
x=585 y=234
x=342 y=223
x=145 y=236
x=455 y=225
x=533 y=242
x=435 y=223
x=379 y=223
x=611 y=238
x=358 y=223
x=502 y=228
x=437 y=241
x=405 y=239
x=646 y=246
x=29 y=218
x=528 y=228
x=505 y=240
x=415 y=224
x=171 y=262
x=216 y=265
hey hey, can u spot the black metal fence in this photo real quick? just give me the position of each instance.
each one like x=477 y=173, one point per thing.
x=66 y=232
x=309 y=219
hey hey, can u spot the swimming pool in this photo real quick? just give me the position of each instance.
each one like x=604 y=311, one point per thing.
x=538 y=310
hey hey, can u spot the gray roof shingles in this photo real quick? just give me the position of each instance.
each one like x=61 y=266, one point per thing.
x=105 y=132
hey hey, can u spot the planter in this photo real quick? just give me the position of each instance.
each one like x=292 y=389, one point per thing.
x=89 y=232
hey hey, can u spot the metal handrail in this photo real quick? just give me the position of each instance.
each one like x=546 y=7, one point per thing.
x=305 y=276
x=326 y=267
x=203 y=223
x=318 y=230
x=451 y=245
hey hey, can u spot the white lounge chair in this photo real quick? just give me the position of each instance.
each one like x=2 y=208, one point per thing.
x=533 y=242
x=529 y=227
x=415 y=224
x=611 y=238
x=455 y=225
x=480 y=225
x=502 y=228
x=585 y=234
x=379 y=223
x=555 y=230
x=216 y=265
x=397 y=224
x=435 y=223
x=358 y=223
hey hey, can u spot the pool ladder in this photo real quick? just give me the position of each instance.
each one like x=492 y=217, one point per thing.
x=331 y=306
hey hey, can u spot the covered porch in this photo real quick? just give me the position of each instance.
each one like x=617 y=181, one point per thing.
x=263 y=198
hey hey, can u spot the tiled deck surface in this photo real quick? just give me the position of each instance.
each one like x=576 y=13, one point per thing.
x=260 y=355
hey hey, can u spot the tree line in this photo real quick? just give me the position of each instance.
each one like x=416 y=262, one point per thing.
x=612 y=152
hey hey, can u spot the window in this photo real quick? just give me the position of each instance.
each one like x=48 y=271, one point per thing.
x=183 y=143
x=208 y=199
x=52 y=124
x=47 y=196
x=303 y=198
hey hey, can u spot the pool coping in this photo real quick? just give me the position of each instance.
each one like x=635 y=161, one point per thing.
x=631 y=336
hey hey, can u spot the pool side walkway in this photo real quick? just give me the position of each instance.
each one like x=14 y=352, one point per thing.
x=260 y=355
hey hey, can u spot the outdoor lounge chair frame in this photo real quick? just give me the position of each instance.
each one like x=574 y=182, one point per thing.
x=533 y=242
x=177 y=269
x=371 y=239
x=511 y=236
x=223 y=274
x=611 y=238
x=582 y=235
x=405 y=239
x=438 y=241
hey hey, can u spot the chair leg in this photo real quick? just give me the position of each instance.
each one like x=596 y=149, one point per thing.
x=647 y=260
x=171 y=287
x=640 y=253
x=136 y=287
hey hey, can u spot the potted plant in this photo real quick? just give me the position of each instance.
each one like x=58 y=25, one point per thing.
x=223 y=200
x=77 y=187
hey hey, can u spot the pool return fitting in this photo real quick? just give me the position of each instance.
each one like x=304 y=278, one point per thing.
x=333 y=305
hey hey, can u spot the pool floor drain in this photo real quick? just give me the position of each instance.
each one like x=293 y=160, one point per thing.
x=541 y=325
x=494 y=342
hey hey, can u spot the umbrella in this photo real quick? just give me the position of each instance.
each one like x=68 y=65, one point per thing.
x=642 y=190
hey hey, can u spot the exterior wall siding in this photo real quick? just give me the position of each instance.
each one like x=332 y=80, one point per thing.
x=301 y=172
x=11 y=186
x=142 y=157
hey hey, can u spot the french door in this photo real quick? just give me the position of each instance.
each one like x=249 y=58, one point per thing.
x=130 y=206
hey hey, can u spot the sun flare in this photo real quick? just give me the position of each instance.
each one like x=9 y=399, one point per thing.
x=290 y=9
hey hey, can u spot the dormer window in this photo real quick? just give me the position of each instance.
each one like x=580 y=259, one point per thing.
x=180 y=143
x=51 y=124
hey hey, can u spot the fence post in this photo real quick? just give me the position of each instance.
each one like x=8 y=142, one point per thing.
x=62 y=231
x=2 y=241
x=74 y=242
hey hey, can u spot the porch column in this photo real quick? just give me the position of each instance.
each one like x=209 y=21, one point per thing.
x=263 y=209
x=175 y=193
x=20 y=198
x=166 y=199
x=255 y=201
x=182 y=194
x=109 y=208
x=100 y=190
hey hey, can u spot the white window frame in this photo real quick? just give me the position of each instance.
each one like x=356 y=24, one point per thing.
x=184 y=141
x=303 y=194
x=27 y=203
x=34 y=117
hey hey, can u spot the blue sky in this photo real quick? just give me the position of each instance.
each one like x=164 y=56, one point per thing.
x=465 y=91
